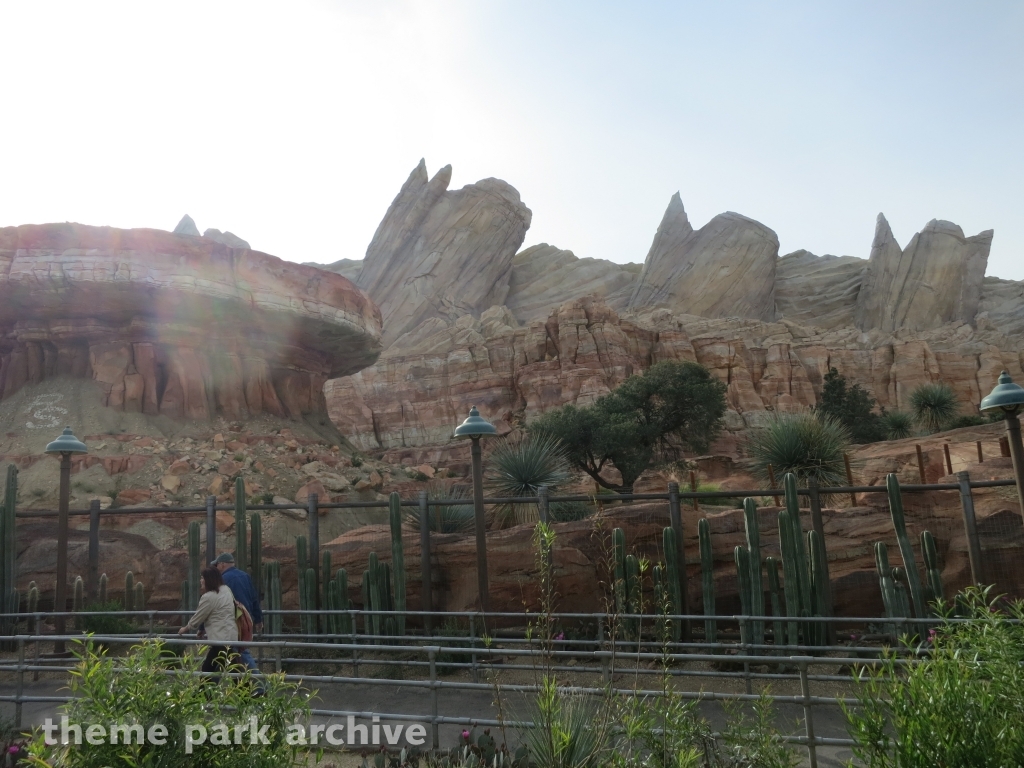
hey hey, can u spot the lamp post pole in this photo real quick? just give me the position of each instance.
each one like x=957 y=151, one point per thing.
x=1009 y=398
x=476 y=427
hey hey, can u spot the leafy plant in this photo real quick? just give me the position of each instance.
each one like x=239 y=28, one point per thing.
x=671 y=406
x=897 y=425
x=137 y=690
x=967 y=420
x=959 y=704
x=449 y=518
x=755 y=741
x=567 y=732
x=103 y=619
x=934 y=405
x=806 y=444
x=662 y=732
x=518 y=467
x=852 y=407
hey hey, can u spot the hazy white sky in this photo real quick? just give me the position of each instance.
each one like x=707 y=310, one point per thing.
x=294 y=124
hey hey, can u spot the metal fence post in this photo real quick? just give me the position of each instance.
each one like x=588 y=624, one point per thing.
x=93 y=574
x=970 y=527
x=676 y=520
x=805 y=693
x=819 y=528
x=211 y=528
x=434 y=736
x=427 y=586
x=313 y=512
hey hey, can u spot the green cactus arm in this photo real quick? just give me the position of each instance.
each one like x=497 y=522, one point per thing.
x=892 y=485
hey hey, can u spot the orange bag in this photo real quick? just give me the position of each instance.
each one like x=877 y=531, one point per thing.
x=244 y=622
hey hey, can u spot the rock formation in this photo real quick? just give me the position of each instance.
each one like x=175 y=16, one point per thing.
x=724 y=269
x=230 y=239
x=186 y=227
x=440 y=253
x=176 y=325
x=936 y=279
x=820 y=292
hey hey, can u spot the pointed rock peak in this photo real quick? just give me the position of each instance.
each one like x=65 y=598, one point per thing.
x=187 y=227
x=883 y=232
x=676 y=209
x=443 y=177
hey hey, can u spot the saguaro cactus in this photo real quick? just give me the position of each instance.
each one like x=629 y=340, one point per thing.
x=931 y=561
x=309 y=602
x=33 y=605
x=129 y=591
x=397 y=559
x=819 y=589
x=103 y=590
x=799 y=551
x=139 y=602
x=742 y=558
x=791 y=582
x=772 y=567
x=341 y=579
x=256 y=550
x=78 y=595
x=9 y=598
x=753 y=532
x=892 y=485
x=707 y=573
x=887 y=585
x=376 y=601
x=325 y=593
x=241 y=535
x=300 y=554
x=672 y=580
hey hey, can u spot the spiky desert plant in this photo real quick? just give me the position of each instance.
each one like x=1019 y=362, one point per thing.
x=804 y=444
x=518 y=467
x=897 y=425
x=445 y=518
x=102 y=597
x=934 y=405
x=256 y=550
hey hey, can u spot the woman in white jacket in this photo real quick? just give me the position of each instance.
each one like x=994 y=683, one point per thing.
x=216 y=610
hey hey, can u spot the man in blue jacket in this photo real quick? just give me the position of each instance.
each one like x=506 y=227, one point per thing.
x=242 y=588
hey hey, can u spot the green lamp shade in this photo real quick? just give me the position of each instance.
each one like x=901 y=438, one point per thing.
x=67 y=443
x=1005 y=395
x=475 y=426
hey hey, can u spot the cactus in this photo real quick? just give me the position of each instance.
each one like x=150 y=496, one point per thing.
x=661 y=600
x=276 y=621
x=902 y=600
x=672 y=581
x=387 y=598
x=241 y=536
x=742 y=558
x=931 y=561
x=103 y=590
x=750 y=522
x=78 y=600
x=300 y=554
x=819 y=589
x=194 y=565
x=309 y=593
x=772 y=566
x=707 y=573
x=345 y=620
x=790 y=580
x=367 y=619
x=9 y=599
x=892 y=485
x=256 y=552
x=376 y=602
x=33 y=605
x=129 y=591
x=139 y=603
x=398 y=559
x=886 y=584
x=799 y=551
x=326 y=620
x=331 y=605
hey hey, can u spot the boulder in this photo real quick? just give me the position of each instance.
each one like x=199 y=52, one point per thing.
x=440 y=253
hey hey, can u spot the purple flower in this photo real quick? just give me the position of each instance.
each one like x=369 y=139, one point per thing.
x=560 y=636
x=465 y=735
x=14 y=750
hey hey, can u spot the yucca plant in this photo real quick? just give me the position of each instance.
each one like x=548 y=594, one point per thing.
x=897 y=425
x=806 y=444
x=454 y=518
x=519 y=466
x=934 y=405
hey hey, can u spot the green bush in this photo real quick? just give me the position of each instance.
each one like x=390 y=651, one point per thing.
x=142 y=688
x=852 y=407
x=960 y=705
x=897 y=425
x=518 y=467
x=967 y=420
x=101 y=619
x=806 y=444
x=934 y=405
x=570 y=511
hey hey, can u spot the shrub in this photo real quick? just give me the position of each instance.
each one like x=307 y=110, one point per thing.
x=852 y=407
x=805 y=444
x=357 y=460
x=967 y=420
x=94 y=621
x=570 y=511
x=934 y=405
x=142 y=688
x=961 y=704
x=897 y=425
x=518 y=467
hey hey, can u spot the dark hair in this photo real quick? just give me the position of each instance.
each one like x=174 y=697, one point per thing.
x=213 y=579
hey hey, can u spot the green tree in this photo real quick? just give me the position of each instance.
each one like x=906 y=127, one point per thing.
x=852 y=407
x=671 y=405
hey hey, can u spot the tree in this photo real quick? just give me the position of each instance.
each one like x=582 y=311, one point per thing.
x=852 y=407
x=670 y=404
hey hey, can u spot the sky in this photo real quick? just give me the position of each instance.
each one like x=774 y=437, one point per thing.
x=294 y=124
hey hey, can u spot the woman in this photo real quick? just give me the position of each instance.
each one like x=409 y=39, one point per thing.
x=216 y=610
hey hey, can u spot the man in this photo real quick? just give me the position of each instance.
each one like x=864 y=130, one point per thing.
x=241 y=586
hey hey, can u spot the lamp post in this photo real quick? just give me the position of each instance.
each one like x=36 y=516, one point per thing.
x=475 y=427
x=1009 y=398
x=63 y=446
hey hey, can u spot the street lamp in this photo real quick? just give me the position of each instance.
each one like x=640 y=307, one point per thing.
x=63 y=446
x=1009 y=398
x=475 y=427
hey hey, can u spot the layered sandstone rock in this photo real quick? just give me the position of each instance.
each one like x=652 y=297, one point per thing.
x=176 y=325
x=936 y=279
x=724 y=269
x=440 y=253
x=818 y=291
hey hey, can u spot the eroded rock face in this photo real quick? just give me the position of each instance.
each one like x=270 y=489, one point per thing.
x=936 y=279
x=724 y=269
x=176 y=325
x=818 y=291
x=440 y=253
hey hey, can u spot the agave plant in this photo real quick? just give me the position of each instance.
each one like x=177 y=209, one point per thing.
x=519 y=466
x=447 y=518
x=934 y=405
x=897 y=425
x=806 y=444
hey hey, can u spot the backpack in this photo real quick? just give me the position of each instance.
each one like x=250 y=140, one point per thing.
x=244 y=622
